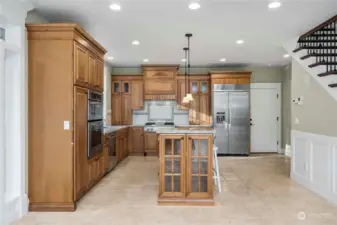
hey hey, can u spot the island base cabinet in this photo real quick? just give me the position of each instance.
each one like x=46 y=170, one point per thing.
x=186 y=169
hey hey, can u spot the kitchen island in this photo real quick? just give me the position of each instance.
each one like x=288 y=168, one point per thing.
x=186 y=166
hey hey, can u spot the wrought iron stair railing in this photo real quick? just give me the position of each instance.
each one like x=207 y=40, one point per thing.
x=321 y=44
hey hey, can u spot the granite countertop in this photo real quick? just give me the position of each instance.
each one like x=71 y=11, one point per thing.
x=109 y=129
x=181 y=131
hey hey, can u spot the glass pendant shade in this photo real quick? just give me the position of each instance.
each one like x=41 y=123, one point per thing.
x=185 y=100
x=189 y=97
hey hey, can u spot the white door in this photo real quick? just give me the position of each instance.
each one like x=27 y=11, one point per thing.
x=265 y=118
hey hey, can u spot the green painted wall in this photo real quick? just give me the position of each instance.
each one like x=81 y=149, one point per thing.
x=259 y=74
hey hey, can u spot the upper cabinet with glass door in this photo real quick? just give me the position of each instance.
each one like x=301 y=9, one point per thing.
x=199 y=86
x=126 y=87
x=116 y=87
x=204 y=87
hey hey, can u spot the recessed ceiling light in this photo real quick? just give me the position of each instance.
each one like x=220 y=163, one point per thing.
x=286 y=56
x=145 y=60
x=194 y=5
x=183 y=60
x=223 y=60
x=115 y=7
x=274 y=5
x=110 y=57
x=240 y=42
x=135 y=42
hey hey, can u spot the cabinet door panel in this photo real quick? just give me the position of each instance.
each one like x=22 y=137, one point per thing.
x=151 y=142
x=204 y=110
x=81 y=67
x=194 y=112
x=116 y=104
x=172 y=180
x=199 y=166
x=100 y=74
x=137 y=95
x=137 y=139
x=181 y=93
x=159 y=86
x=92 y=71
x=80 y=142
x=126 y=109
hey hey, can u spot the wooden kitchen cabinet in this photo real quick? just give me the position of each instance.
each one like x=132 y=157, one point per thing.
x=137 y=95
x=200 y=108
x=81 y=65
x=96 y=73
x=89 y=69
x=160 y=81
x=60 y=58
x=80 y=134
x=137 y=139
x=151 y=142
x=123 y=99
x=186 y=169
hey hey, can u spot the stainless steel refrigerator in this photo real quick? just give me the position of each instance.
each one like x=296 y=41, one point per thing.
x=231 y=113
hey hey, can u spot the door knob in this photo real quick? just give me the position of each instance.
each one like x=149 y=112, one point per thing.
x=251 y=124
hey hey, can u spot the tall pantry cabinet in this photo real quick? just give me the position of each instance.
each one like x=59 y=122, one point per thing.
x=64 y=62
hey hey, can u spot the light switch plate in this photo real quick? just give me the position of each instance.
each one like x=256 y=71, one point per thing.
x=66 y=125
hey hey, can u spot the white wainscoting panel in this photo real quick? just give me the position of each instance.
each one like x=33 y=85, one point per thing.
x=314 y=163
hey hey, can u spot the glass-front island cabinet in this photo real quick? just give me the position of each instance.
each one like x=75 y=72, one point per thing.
x=186 y=168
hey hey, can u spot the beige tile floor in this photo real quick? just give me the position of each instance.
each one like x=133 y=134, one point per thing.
x=256 y=190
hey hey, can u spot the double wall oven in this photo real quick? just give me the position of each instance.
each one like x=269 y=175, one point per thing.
x=95 y=124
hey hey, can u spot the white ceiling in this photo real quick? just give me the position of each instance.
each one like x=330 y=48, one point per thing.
x=160 y=26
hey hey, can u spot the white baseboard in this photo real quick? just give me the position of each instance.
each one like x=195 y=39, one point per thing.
x=314 y=163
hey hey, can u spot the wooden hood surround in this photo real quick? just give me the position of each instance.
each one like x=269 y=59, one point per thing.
x=160 y=82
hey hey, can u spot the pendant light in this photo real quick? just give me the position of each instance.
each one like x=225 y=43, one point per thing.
x=185 y=100
x=189 y=96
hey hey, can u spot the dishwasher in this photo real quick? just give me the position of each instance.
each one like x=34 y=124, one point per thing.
x=112 y=158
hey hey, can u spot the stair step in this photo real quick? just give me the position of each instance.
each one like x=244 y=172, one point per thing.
x=317 y=41
x=322 y=64
x=318 y=47
x=332 y=85
x=327 y=73
x=327 y=29
x=317 y=55
x=323 y=35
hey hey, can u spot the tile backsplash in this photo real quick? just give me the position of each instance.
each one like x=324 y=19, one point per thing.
x=140 y=117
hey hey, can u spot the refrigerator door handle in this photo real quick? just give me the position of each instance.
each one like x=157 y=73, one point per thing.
x=229 y=118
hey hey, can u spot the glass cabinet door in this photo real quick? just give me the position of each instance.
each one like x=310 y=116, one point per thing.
x=126 y=87
x=116 y=87
x=194 y=87
x=171 y=170
x=204 y=87
x=199 y=166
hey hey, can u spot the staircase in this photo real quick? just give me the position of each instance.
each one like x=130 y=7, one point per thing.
x=316 y=51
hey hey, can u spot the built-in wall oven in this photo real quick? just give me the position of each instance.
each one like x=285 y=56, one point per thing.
x=95 y=123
